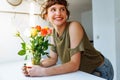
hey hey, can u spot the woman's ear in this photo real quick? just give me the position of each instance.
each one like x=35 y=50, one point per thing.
x=66 y=17
x=46 y=17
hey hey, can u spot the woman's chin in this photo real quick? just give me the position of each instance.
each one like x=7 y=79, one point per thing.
x=59 y=23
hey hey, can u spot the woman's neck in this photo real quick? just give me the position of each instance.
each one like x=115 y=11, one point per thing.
x=60 y=29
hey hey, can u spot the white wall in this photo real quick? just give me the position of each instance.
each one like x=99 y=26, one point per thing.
x=86 y=21
x=106 y=27
x=9 y=24
x=117 y=31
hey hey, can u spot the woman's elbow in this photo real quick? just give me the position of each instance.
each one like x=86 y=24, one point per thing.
x=75 y=67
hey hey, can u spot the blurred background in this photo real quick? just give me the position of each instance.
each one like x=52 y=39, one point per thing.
x=100 y=18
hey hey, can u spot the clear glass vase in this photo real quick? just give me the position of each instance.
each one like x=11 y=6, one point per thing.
x=36 y=60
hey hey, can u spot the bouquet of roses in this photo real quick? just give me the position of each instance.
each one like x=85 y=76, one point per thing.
x=37 y=45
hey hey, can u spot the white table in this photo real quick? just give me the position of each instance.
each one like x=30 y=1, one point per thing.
x=12 y=71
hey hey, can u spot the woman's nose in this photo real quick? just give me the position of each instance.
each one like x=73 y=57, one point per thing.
x=58 y=12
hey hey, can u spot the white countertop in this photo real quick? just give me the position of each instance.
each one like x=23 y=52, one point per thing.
x=12 y=71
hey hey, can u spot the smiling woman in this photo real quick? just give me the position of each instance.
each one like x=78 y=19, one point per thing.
x=71 y=44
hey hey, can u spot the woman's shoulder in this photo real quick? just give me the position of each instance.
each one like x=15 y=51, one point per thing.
x=75 y=25
x=74 y=22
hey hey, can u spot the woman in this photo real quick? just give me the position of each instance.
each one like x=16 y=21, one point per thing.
x=71 y=45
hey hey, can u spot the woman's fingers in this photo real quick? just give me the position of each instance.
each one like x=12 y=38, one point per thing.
x=25 y=70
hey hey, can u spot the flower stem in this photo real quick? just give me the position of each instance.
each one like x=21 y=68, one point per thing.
x=21 y=39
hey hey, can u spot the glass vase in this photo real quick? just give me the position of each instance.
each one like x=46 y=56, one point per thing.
x=36 y=60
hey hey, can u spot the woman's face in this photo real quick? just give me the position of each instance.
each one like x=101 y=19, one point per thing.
x=57 y=14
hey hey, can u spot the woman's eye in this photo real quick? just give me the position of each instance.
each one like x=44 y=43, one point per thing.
x=62 y=9
x=53 y=10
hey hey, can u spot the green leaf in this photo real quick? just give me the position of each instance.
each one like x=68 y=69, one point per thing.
x=45 y=47
x=23 y=46
x=22 y=52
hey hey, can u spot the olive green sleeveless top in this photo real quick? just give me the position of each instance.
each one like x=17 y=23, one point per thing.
x=90 y=57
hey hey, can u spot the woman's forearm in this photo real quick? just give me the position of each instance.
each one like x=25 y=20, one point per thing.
x=61 y=69
x=71 y=66
x=48 y=62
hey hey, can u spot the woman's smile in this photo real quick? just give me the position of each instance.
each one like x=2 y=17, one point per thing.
x=58 y=18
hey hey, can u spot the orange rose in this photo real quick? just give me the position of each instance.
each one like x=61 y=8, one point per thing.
x=38 y=28
x=44 y=32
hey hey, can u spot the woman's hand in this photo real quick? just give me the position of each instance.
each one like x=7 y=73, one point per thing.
x=25 y=69
x=33 y=71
